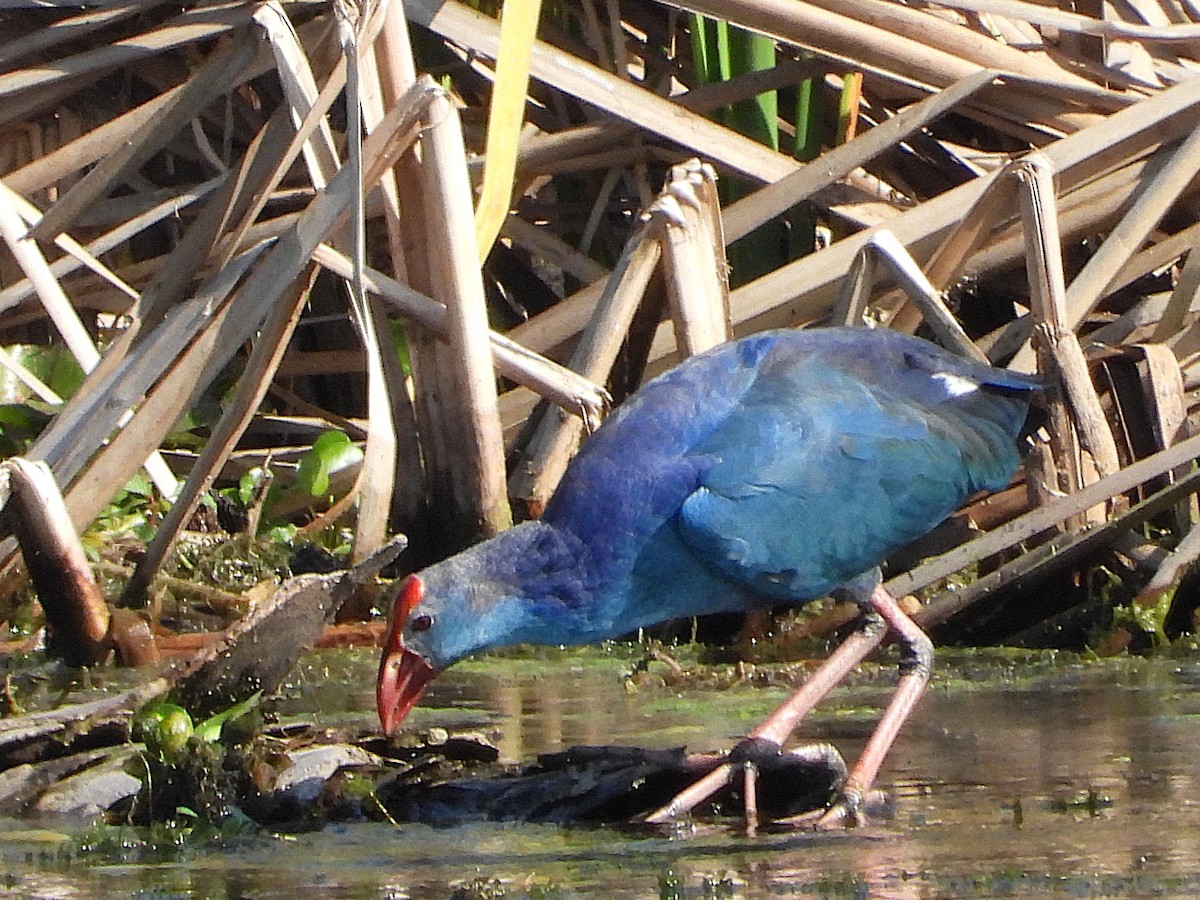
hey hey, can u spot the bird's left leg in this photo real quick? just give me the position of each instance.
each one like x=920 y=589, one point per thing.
x=882 y=614
x=770 y=735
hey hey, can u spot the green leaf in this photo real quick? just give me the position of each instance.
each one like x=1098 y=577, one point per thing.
x=20 y=424
x=210 y=729
x=248 y=485
x=140 y=485
x=330 y=452
x=280 y=534
x=54 y=366
x=400 y=344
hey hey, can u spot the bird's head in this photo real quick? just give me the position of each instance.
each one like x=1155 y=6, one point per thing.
x=405 y=668
x=487 y=596
x=440 y=615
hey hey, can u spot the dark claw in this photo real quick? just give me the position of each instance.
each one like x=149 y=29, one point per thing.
x=855 y=809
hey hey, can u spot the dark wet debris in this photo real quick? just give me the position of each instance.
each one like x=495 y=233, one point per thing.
x=601 y=785
x=445 y=779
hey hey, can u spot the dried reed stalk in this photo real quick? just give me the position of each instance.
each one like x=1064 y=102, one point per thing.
x=474 y=475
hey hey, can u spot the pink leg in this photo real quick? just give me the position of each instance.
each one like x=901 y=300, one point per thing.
x=916 y=663
x=915 y=667
x=779 y=725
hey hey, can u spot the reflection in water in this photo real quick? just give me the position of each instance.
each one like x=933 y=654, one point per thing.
x=1084 y=784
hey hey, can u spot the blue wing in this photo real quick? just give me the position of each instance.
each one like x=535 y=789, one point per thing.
x=840 y=453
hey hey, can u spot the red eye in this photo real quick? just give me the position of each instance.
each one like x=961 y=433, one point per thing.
x=421 y=623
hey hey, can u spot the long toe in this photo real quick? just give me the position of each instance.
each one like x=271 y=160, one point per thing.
x=693 y=795
x=856 y=811
x=785 y=783
x=844 y=813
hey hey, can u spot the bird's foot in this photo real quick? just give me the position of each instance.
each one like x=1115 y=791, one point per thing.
x=845 y=812
x=875 y=806
x=800 y=777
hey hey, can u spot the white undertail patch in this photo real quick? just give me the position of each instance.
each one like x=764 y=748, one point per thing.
x=955 y=385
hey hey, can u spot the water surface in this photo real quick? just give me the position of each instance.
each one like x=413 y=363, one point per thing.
x=1076 y=781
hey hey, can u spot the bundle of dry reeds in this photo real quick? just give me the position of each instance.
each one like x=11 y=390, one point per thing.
x=180 y=182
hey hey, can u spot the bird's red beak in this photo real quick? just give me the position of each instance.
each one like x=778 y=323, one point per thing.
x=403 y=674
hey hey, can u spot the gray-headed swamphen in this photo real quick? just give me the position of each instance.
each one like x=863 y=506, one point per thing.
x=781 y=467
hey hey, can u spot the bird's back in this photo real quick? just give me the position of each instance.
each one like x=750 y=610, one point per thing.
x=780 y=466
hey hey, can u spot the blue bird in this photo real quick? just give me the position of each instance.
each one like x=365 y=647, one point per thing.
x=780 y=467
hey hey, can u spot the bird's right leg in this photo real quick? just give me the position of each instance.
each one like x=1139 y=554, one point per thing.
x=916 y=663
x=770 y=735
